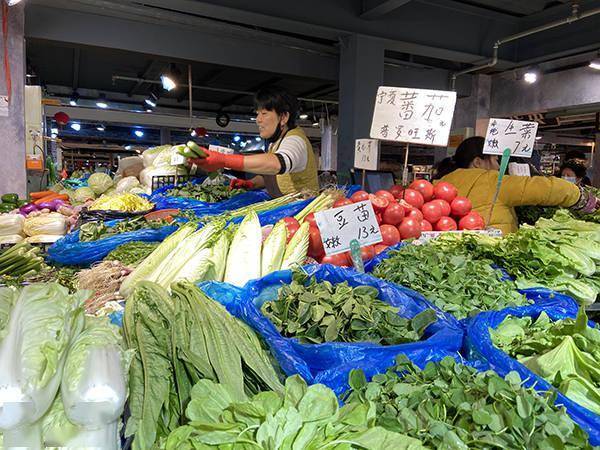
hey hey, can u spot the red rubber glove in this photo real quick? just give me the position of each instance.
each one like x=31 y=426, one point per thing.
x=216 y=161
x=238 y=183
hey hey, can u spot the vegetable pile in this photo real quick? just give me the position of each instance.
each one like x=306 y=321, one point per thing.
x=565 y=353
x=132 y=253
x=316 y=312
x=180 y=339
x=121 y=202
x=20 y=261
x=451 y=406
x=452 y=279
x=302 y=417
x=208 y=194
x=93 y=231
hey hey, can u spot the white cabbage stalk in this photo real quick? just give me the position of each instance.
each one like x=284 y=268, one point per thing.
x=196 y=268
x=51 y=223
x=274 y=249
x=127 y=184
x=218 y=259
x=11 y=239
x=42 y=323
x=243 y=261
x=176 y=260
x=11 y=224
x=7 y=301
x=297 y=249
x=145 y=269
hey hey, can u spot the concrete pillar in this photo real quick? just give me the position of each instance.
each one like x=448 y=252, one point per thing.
x=596 y=163
x=12 y=125
x=361 y=73
x=476 y=105
x=165 y=136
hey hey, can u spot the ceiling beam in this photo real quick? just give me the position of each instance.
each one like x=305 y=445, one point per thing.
x=212 y=76
x=374 y=9
x=231 y=101
x=471 y=10
x=149 y=72
x=76 y=60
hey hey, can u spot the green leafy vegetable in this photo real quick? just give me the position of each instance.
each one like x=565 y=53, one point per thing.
x=132 y=253
x=566 y=353
x=451 y=278
x=93 y=231
x=302 y=417
x=209 y=194
x=317 y=312
x=451 y=406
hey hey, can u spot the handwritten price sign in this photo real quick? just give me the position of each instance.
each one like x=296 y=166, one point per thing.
x=340 y=226
x=518 y=135
x=366 y=154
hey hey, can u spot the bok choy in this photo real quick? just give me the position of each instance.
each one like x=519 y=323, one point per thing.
x=244 y=259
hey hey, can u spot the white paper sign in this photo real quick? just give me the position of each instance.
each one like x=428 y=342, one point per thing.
x=518 y=135
x=366 y=154
x=177 y=159
x=219 y=149
x=415 y=116
x=520 y=170
x=339 y=226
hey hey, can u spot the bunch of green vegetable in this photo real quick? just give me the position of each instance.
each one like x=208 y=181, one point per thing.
x=565 y=352
x=451 y=278
x=132 y=253
x=316 y=312
x=451 y=406
x=191 y=150
x=180 y=339
x=559 y=253
x=10 y=202
x=302 y=417
x=65 y=276
x=20 y=260
x=93 y=231
x=209 y=194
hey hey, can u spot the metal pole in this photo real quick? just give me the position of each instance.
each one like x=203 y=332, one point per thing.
x=364 y=176
x=405 y=170
x=190 y=96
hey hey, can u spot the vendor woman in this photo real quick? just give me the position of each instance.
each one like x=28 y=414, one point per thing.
x=289 y=166
x=475 y=175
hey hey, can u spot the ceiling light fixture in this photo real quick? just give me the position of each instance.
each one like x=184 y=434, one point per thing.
x=303 y=116
x=101 y=102
x=13 y=2
x=531 y=76
x=128 y=147
x=595 y=64
x=139 y=133
x=54 y=130
x=152 y=100
x=100 y=127
x=74 y=99
x=76 y=126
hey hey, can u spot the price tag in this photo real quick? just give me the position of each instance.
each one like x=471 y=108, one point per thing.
x=429 y=235
x=340 y=226
x=366 y=154
x=219 y=149
x=177 y=159
x=517 y=135
x=415 y=116
x=520 y=170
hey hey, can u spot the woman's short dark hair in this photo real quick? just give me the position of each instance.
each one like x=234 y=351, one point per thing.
x=578 y=169
x=275 y=98
x=467 y=151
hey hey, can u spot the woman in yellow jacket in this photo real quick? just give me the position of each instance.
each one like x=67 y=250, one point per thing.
x=475 y=175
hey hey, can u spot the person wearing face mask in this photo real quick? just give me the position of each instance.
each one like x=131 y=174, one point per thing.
x=574 y=173
x=290 y=164
x=475 y=175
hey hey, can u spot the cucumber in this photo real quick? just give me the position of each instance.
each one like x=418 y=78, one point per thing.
x=196 y=149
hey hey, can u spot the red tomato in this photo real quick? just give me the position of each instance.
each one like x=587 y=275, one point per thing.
x=379 y=203
x=413 y=198
x=393 y=214
x=472 y=221
x=415 y=214
x=311 y=219
x=379 y=248
x=315 y=245
x=359 y=196
x=424 y=187
x=445 y=191
x=292 y=226
x=446 y=209
x=390 y=234
x=432 y=211
x=426 y=226
x=339 y=260
x=342 y=202
x=385 y=194
x=446 y=224
x=367 y=253
x=410 y=228
x=379 y=218
x=396 y=190
x=461 y=206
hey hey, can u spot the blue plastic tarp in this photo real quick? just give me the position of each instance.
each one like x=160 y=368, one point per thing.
x=330 y=363
x=479 y=347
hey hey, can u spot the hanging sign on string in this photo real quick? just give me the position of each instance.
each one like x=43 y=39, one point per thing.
x=413 y=116
x=366 y=154
x=340 y=226
x=516 y=135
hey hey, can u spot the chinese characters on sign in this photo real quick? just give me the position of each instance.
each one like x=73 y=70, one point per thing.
x=517 y=135
x=366 y=154
x=339 y=226
x=418 y=116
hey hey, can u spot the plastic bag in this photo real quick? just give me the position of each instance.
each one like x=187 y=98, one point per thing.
x=479 y=347
x=70 y=251
x=204 y=208
x=330 y=363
